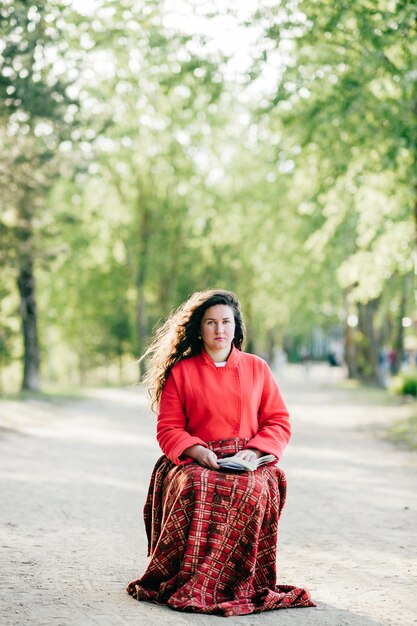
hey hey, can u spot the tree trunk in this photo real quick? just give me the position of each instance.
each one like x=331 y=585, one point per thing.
x=270 y=347
x=141 y=275
x=169 y=279
x=367 y=348
x=349 y=337
x=415 y=244
x=82 y=369
x=350 y=353
x=121 y=376
x=31 y=359
x=399 y=336
x=141 y=326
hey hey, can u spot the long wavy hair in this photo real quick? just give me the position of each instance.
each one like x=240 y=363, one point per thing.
x=179 y=337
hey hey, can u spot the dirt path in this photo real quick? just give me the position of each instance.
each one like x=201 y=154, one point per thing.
x=74 y=474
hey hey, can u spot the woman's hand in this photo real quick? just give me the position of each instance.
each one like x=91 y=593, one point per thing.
x=250 y=454
x=203 y=456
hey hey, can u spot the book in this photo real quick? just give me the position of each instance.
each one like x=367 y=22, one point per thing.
x=236 y=463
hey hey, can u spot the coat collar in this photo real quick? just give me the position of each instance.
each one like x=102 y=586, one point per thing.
x=232 y=360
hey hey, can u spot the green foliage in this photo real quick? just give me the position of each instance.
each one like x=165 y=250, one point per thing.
x=139 y=169
x=344 y=106
x=404 y=432
x=405 y=384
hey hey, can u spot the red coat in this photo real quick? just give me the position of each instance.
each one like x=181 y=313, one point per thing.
x=201 y=402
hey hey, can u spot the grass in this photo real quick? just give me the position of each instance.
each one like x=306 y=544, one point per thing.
x=61 y=393
x=47 y=395
x=404 y=432
x=362 y=392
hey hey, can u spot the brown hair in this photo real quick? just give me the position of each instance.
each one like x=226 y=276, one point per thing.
x=179 y=337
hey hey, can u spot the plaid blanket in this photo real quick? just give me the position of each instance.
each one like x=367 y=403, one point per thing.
x=213 y=538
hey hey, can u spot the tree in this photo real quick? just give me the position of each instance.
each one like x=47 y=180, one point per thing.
x=346 y=98
x=148 y=152
x=36 y=115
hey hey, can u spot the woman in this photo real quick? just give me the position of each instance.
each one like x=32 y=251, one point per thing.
x=213 y=533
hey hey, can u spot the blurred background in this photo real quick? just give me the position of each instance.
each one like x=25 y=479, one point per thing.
x=150 y=149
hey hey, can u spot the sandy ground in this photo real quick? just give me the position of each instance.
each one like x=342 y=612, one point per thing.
x=73 y=478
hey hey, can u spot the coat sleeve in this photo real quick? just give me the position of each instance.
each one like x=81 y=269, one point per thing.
x=274 y=424
x=171 y=432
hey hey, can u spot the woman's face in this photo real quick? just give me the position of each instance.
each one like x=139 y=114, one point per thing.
x=217 y=331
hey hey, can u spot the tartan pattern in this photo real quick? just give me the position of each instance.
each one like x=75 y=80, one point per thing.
x=212 y=538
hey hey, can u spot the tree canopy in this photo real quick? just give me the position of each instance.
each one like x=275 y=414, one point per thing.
x=147 y=157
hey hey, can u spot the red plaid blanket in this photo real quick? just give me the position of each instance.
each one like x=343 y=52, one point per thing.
x=213 y=538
